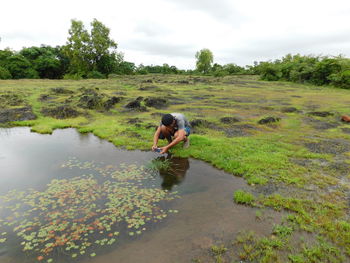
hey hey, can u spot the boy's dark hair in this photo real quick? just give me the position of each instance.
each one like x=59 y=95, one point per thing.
x=167 y=119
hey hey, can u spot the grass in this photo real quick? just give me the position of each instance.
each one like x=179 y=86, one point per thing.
x=159 y=164
x=312 y=192
x=242 y=197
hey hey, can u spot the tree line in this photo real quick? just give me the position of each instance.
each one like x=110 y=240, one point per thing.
x=93 y=54
x=316 y=70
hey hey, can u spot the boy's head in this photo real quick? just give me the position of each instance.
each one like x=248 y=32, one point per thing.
x=167 y=119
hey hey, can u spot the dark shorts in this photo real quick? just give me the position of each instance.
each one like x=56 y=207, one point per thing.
x=187 y=130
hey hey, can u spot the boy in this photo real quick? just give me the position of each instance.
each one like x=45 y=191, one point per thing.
x=172 y=125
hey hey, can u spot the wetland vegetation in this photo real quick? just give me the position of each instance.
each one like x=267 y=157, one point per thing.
x=285 y=139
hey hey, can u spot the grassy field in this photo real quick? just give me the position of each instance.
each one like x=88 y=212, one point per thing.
x=298 y=164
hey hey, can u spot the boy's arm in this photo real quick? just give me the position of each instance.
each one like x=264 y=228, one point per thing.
x=181 y=136
x=155 y=138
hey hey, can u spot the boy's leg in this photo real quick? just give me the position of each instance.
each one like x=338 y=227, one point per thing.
x=187 y=138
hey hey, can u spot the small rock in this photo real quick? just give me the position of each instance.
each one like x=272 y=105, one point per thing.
x=269 y=120
x=229 y=120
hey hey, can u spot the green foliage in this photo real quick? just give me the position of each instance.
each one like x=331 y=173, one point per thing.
x=159 y=164
x=21 y=68
x=204 y=60
x=125 y=68
x=46 y=60
x=270 y=71
x=307 y=69
x=95 y=75
x=77 y=48
x=321 y=252
x=75 y=76
x=282 y=231
x=242 y=197
x=218 y=250
x=4 y=73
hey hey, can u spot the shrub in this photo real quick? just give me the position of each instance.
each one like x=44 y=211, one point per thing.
x=73 y=76
x=270 y=71
x=4 y=73
x=95 y=75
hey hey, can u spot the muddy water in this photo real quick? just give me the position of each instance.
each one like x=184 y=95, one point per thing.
x=206 y=212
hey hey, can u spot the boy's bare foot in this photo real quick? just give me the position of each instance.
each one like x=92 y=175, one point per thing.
x=186 y=143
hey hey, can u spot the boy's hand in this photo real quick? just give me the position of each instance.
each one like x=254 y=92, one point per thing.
x=154 y=147
x=164 y=150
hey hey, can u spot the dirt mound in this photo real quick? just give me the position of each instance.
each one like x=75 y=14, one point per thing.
x=182 y=81
x=60 y=112
x=61 y=90
x=346 y=130
x=10 y=99
x=200 y=123
x=108 y=104
x=320 y=125
x=157 y=103
x=332 y=146
x=289 y=109
x=45 y=97
x=157 y=114
x=321 y=113
x=18 y=114
x=92 y=99
x=151 y=87
x=229 y=120
x=134 y=120
x=269 y=120
x=135 y=105
x=200 y=80
x=239 y=130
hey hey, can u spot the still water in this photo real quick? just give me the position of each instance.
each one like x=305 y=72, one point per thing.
x=71 y=197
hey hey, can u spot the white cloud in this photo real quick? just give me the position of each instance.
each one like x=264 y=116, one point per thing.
x=171 y=31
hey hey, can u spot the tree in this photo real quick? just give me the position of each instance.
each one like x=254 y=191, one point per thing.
x=204 y=60
x=77 y=48
x=103 y=49
x=17 y=65
x=94 y=51
x=46 y=61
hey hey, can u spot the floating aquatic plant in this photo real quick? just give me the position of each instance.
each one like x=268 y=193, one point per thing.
x=76 y=215
x=159 y=164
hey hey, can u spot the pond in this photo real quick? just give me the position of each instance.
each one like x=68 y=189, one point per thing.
x=71 y=197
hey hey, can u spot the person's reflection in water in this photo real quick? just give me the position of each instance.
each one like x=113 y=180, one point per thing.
x=176 y=172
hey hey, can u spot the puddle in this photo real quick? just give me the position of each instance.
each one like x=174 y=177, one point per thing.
x=174 y=213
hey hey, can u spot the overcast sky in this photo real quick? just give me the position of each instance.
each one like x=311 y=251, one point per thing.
x=171 y=31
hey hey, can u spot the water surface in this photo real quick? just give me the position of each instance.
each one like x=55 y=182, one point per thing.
x=199 y=212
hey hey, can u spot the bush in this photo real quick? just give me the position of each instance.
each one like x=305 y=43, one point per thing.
x=95 y=75
x=270 y=71
x=114 y=76
x=73 y=76
x=341 y=79
x=220 y=73
x=4 y=73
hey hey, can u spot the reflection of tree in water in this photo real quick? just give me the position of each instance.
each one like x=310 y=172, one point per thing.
x=175 y=173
